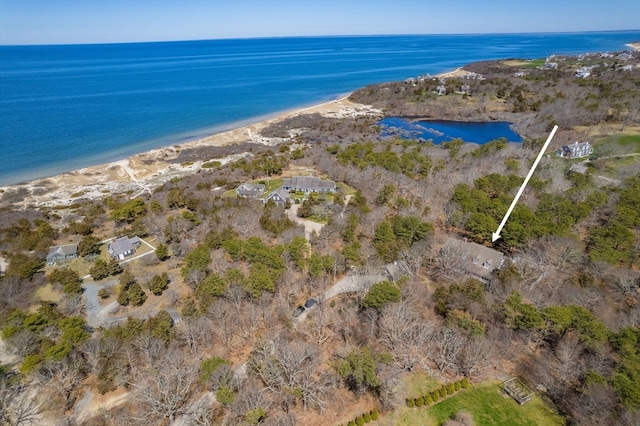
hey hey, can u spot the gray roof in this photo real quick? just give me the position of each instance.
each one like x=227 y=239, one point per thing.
x=122 y=245
x=64 y=250
x=283 y=194
x=477 y=259
x=248 y=189
x=310 y=183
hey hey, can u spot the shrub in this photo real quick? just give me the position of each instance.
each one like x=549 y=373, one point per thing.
x=443 y=392
x=410 y=402
x=457 y=386
x=428 y=400
x=225 y=395
x=419 y=401
x=465 y=383
x=451 y=388
x=435 y=395
x=366 y=417
x=359 y=421
x=374 y=415
x=104 y=293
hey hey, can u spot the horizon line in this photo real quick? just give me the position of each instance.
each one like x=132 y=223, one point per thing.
x=90 y=43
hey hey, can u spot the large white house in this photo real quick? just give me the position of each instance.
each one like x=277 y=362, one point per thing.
x=576 y=150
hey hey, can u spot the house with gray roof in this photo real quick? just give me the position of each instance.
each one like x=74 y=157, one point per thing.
x=122 y=247
x=308 y=184
x=250 y=190
x=58 y=254
x=476 y=259
x=280 y=196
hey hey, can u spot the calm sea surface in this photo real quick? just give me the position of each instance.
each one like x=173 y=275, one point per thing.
x=67 y=107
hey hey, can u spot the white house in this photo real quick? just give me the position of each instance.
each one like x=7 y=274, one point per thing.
x=123 y=247
x=575 y=150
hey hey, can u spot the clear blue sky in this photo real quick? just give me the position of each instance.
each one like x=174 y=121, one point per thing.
x=96 y=21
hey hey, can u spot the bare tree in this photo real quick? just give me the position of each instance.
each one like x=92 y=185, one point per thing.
x=445 y=346
x=475 y=353
x=316 y=325
x=63 y=377
x=23 y=342
x=405 y=334
x=287 y=366
x=19 y=405
x=194 y=332
x=164 y=390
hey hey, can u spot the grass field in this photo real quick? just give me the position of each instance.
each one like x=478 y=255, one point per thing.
x=524 y=64
x=620 y=144
x=487 y=405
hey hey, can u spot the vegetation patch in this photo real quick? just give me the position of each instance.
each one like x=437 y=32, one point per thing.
x=487 y=405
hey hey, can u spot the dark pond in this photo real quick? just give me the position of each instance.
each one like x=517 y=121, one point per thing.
x=444 y=131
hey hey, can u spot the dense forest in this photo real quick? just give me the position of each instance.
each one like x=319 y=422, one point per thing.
x=244 y=313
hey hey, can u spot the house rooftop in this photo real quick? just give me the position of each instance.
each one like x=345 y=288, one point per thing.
x=63 y=250
x=477 y=259
x=123 y=245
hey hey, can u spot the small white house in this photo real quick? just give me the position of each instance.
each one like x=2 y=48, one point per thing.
x=122 y=247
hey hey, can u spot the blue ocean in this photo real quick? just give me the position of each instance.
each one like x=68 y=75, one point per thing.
x=68 y=107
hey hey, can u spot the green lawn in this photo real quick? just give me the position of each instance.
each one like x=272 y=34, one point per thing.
x=632 y=141
x=618 y=145
x=487 y=405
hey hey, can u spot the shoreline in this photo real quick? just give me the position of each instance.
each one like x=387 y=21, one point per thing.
x=634 y=45
x=142 y=172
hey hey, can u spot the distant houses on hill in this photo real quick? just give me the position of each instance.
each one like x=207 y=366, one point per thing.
x=304 y=184
x=575 y=150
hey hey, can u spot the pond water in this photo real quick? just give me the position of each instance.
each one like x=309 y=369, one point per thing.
x=444 y=131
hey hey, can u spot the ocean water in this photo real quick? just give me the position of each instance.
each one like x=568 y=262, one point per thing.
x=438 y=131
x=67 y=107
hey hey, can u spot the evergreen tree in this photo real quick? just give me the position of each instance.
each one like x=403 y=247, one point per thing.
x=99 y=270
x=89 y=245
x=162 y=252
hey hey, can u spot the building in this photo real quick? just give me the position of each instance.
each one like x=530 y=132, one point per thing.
x=122 y=247
x=475 y=259
x=250 y=190
x=575 y=150
x=396 y=270
x=62 y=253
x=308 y=184
x=279 y=197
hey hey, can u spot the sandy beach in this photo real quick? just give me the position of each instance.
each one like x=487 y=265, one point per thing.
x=634 y=45
x=148 y=170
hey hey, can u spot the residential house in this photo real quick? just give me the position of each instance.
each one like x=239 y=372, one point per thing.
x=308 y=184
x=122 y=247
x=579 y=168
x=62 y=253
x=250 y=190
x=280 y=196
x=575 y=150
x=476 y=259
x=396 y=270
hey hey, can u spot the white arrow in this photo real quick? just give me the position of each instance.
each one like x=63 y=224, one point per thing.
x=496 y=234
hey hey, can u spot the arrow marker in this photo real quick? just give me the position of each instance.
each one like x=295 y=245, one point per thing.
x=496 y=234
